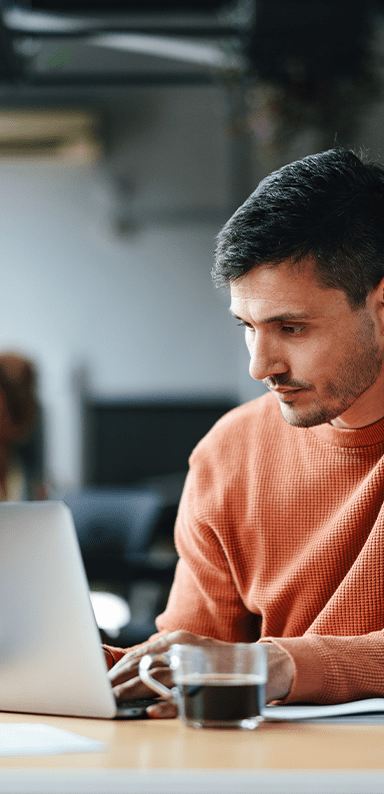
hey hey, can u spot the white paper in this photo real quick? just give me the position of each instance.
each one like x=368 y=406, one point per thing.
x=356 y=708
x=25 y=738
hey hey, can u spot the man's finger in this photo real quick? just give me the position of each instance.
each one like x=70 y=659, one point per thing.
x=135 y=687
x=162 y=711
x=129 y=662
x=130 y=672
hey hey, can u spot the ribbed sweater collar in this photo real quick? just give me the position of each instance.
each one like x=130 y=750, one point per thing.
x=359 y=437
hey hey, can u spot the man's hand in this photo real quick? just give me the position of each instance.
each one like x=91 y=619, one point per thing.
x=127 y=684
x=125 y=679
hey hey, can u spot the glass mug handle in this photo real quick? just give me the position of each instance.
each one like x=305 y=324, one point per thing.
x=145 y=664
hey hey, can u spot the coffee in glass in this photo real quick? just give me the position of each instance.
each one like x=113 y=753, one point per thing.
x=216 y=686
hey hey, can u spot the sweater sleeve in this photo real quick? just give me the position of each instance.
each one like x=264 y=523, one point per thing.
x=334 y=669
x=204 y=598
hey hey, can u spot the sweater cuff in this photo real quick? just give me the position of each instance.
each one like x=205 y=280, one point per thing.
x=308 y=679
x=112 y=655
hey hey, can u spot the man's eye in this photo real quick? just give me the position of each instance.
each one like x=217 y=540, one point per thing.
x=244 y=325
x=292 y=329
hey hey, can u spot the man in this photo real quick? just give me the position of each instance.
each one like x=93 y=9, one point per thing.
x=281 y=526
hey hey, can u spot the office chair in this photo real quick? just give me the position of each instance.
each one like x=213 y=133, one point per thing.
x=116 y=528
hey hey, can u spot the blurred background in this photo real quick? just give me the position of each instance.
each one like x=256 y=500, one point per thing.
x=129 y=132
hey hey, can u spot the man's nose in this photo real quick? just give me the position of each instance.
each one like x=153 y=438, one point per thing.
x=265 y=360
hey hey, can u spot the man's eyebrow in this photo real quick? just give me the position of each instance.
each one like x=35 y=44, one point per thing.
x=279 y=318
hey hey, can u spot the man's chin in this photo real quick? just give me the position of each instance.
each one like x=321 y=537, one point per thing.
x=301 y=418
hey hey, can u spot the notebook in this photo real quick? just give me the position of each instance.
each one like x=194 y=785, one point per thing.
x=370 y=710
x=51 y=660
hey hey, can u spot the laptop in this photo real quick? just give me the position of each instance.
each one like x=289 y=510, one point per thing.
x=51 y=660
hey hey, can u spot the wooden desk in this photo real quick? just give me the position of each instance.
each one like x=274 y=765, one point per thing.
x=164 y=757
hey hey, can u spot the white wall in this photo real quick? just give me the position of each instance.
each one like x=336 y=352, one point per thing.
x=139 y=313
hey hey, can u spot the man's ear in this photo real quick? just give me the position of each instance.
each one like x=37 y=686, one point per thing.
x=375 y=304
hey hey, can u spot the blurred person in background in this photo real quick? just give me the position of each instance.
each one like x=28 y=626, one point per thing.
x=20 y=431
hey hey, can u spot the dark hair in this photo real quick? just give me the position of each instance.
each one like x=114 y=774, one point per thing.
x=328 y=205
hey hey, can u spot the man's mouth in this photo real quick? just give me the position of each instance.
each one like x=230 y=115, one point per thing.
x=281 y=390
x=285 y=394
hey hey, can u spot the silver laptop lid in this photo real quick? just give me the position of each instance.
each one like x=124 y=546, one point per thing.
x=51 y=660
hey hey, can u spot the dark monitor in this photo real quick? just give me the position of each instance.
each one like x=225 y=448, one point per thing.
x=126 y=441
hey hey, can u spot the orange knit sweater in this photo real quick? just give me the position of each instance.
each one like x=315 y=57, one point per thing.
x=280 y=534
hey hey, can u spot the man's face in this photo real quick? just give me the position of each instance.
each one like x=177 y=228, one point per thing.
x=312 y=350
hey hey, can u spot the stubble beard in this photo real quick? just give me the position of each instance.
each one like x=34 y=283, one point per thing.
x=355 y=375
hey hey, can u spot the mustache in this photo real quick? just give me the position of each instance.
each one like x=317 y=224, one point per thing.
x=284 y=381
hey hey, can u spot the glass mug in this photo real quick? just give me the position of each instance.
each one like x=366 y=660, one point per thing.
x=216 y=686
